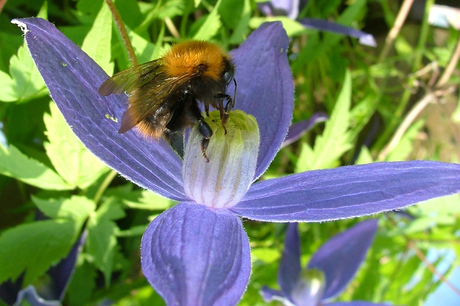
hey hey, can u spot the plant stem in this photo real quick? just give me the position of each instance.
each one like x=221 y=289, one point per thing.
x=104 y=185
x=123 y=32
x=400 y=19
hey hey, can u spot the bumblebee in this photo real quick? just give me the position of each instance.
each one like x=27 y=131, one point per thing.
x=164 y=93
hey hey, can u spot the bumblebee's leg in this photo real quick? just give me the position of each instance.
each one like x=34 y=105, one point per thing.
x=204 y=129
x=224 y=111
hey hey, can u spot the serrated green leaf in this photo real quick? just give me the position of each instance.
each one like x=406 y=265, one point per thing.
x=102 y=242
x=336 y=138
x=76 y=164
x=98 y=38
x=17 y=165
x=211 y=25
x=34 y=247
x=24 y=82
x=76 y=208
x=110 y=210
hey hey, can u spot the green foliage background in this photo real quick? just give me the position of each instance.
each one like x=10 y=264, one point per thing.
x=46 y=170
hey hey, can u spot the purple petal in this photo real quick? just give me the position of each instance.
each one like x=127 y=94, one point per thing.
x=324 y=25
x=265 y=87
x=62 y=272
x=340 y=257
x=298 y=129
x=289 y=270
x=347 y=192
x=30 y=295
x=193 y=255
x=288 y=8
x=73 y=80
x=269 y=294
x=9 y=290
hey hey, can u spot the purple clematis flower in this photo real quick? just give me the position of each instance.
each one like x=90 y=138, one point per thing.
x=329 y=271
x=197 y=253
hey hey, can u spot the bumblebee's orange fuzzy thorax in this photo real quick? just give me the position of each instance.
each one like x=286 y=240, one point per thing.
x=192 y=56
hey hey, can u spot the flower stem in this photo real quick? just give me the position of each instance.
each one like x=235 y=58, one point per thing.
x=123 y=32
x=100 y=191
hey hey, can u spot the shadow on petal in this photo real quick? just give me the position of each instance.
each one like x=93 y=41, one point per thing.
x=193 y=255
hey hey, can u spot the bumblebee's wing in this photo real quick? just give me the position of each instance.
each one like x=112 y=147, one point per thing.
x=132 y=78
x=159 y=99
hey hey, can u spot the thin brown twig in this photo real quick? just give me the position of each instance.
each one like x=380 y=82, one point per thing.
x=123 y=32
x=435 y=92
x=172 y=28
x=450 y=66
x=402 y=128
x=432 y=268
x=2 y=4
x=400 y=19
x=411 y=245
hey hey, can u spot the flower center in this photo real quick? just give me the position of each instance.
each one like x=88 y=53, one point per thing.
x=225 y=179
x=309 y=288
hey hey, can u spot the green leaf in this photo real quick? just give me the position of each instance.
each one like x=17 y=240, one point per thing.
x=336 y=138
x=405 y=146
x=362 y=112
x=43 y=13
x=242 y=28
x=34 y=247
x=76 y=208
x=267 y=255
x=98 y=38
x=76 y=164
x=8 y=92
x=150 y=201
x=82 y=283
x=24 y=82
x=102 y=241
x=144 y=49
x=292 y=27
x=211 y=25
x=365 y=157
x=17 y=165
x=170 y=9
